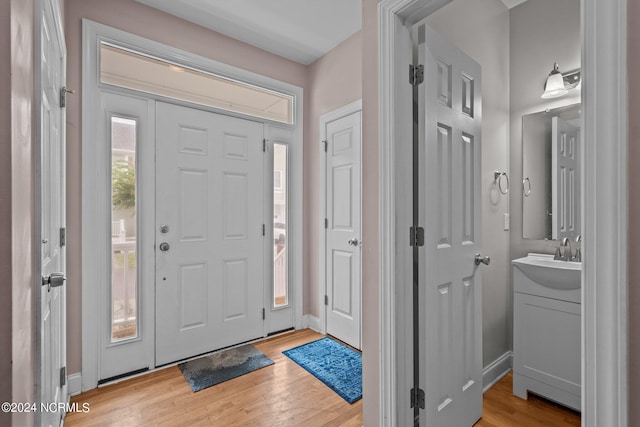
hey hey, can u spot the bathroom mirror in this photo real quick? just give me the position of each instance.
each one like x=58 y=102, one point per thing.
x=550 y=173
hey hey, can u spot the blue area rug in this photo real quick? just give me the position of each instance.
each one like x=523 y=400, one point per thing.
x=213 y=369
x=335 y=364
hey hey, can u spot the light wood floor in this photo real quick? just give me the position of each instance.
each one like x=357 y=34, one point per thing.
x=283 y=394
x=500 y=408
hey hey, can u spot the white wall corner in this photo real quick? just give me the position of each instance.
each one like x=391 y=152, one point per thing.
x=496 y=370
x=312 y=322
x=74 y=384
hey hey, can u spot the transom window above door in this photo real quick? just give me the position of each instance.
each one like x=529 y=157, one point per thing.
x=132 y=70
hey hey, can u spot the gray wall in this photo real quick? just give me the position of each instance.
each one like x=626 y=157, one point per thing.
x=23 y=227
x=481 y=29
x=370 y=222
x=538 y=39
x=633 y=65
x=5 y=209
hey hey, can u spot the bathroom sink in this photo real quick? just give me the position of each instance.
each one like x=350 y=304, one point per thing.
x=544 y=270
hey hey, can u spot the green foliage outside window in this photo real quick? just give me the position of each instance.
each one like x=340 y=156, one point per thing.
x=123 y=184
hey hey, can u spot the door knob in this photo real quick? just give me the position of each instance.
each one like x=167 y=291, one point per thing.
x=482 y=259
x=164 y=246
x=53 y=280
x=353 y=242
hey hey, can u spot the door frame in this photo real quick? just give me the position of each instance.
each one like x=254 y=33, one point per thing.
x=326 y=118
x=92 y=216
x=53 y=7
x=604 y=212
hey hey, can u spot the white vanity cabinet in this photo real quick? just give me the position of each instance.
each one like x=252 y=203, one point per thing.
x=547 y=329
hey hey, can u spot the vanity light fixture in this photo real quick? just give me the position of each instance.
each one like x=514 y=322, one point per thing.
x=559 y=84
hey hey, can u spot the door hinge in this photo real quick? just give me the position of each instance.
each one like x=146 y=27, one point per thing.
x=63 y=376
x=264 y=314
x=416 y=74
x=326 y=223
x=264 y=145
x=63 y=237
x=416 y=236
x=326 y=300
x=264 y=230
x=417 y=398
x=326 y=145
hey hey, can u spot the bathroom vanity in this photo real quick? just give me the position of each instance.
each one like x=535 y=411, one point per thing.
x=547 y=328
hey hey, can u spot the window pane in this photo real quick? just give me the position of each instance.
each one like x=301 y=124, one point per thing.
x=280 y=188
x=132 y=70
x=124 y=323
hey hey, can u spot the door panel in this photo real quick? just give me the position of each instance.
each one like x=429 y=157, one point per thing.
x=450 y=322
x=280 y=295
x=344 y=216
x=125 y=312
x=565 y=179
x=209 y=281
x=52 y=327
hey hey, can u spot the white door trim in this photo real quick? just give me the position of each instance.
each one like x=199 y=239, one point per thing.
x=604 y=214
x=343 y=111
x=92 y=216
x=604 y=206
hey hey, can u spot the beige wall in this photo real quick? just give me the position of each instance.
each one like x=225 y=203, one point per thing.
x=335 y=80
x=634 y=209
x=538 y=39
x=481 y=30
x=141 y=20
x=5 y=208
x=370 y=216
x=22 y=196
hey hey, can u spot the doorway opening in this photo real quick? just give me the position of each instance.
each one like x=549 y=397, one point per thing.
x=395 y=18
x=220 y=256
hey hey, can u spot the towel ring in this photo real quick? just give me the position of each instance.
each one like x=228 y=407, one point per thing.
x=497 y=177
x=526 y=190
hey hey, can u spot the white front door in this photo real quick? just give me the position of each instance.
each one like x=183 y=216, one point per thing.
x=343 y=228
x=565 y=179
x=209 y=232
x=450 y=196
x=52 y=326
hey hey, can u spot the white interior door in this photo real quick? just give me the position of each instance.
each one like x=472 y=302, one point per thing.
x=343 y=231
x=450 y=197
x=565 y=179
x=209 y=232
x=52 y=326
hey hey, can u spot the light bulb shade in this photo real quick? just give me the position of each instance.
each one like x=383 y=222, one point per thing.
x=554 y=86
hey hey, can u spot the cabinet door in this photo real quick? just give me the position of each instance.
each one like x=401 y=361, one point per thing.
x=546 y=342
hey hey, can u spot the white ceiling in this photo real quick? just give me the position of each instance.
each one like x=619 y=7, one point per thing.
x=512 y=3
x=301 y=30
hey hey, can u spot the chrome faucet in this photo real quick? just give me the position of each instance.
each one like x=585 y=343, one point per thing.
x=567 y=249
x=578 y=254
x=558 y=254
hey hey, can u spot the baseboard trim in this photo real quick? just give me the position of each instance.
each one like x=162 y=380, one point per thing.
x=74 y=384
x=497 y=369
x=311 y=322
